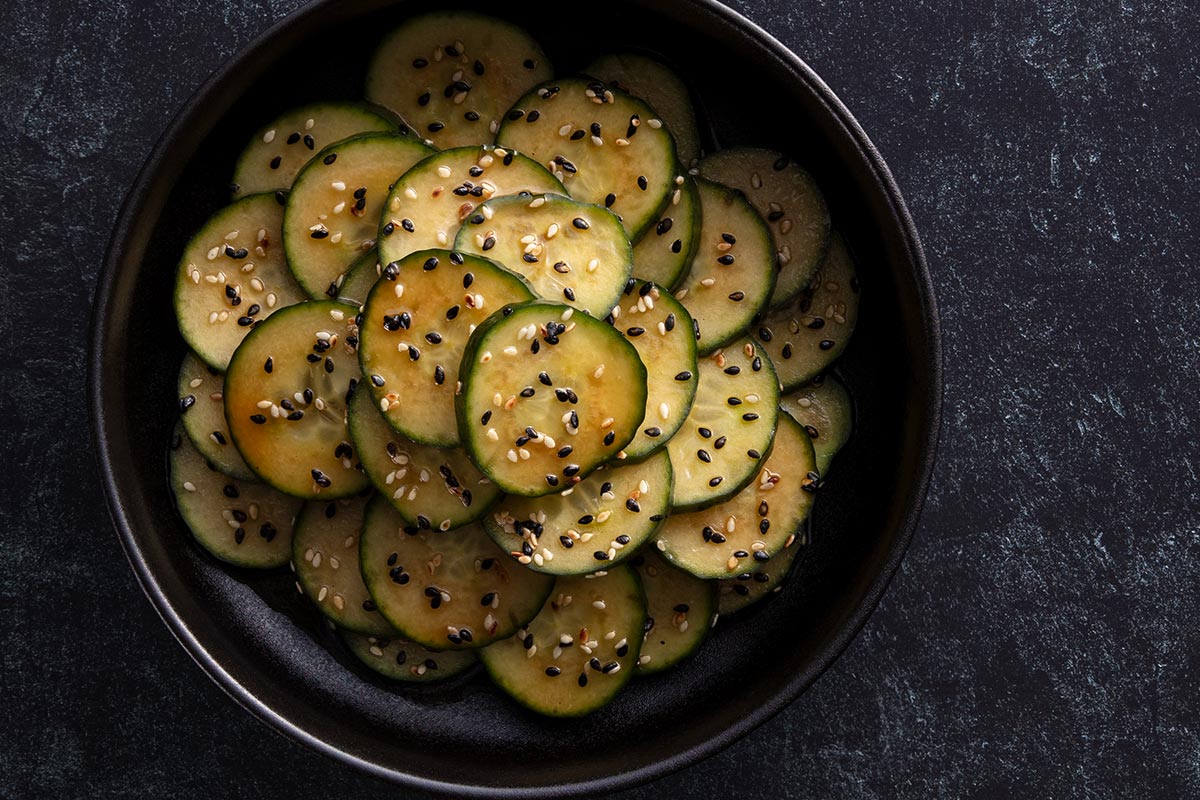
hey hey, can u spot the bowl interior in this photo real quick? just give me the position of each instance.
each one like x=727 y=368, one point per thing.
x=269 y=648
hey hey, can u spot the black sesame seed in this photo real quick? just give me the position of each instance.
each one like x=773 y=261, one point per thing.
x=552 y=480
x=749 y=417
x=328 y=364
x=733 y=370
x=564 y=451
x=258 y=419
x=609 y=438
x=635 y=331
x=553 y=671
x=516 y=114
x=826 y=344
x=434 y=127
x=704 y=456
x=420 y=63
x=413 y=353
x=319 y=234
x=439 y=375
x=633 y=506
x=719 y=443
x=468 y=279
x=533 y=116
x=642 y=182
x=489 y=243
x=580 y=223
x=309 y=142
x=187 y=401
x=683 y=376
x=726 y=259
x=737 y=297
x=292 y=139
x=653 y=432
x=664 y=226
x=295 y=416
x=276 y=161
x=600 y=555
x=715 y=481
x=734 y=401
x=433 y=337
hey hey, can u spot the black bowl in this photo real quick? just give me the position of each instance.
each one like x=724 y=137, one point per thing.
x=263 y=644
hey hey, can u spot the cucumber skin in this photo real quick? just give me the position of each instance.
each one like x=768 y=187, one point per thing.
x=469 y=355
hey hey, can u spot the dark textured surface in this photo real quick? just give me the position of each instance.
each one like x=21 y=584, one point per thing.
x=1041 y=633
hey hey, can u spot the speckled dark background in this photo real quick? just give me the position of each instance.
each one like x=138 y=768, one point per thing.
x=1042 y=635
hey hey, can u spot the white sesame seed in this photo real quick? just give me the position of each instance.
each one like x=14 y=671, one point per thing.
x=340 y=207
x=785 y=225
x=443 y=171
x=189 y=486
x=661 y=544
x=492 y=435
x=664 y=411
x=708 y=282
x=338 y=186
x=269 y=136
x=537 y=202
x=598 y=372
x=512 y=456
x=337 y=237
x=308 y=124
x=756 y=180
x=213 y=253
x=321 y=595
x=375 y=651
x=257 y=284
x=603 y=516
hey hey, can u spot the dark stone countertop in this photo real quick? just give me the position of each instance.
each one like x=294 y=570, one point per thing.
x=1041 y=636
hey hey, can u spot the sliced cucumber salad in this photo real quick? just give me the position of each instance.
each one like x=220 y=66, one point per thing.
x=511 y=367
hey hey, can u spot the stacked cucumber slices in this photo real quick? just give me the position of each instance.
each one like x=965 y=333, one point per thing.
x=510 y=368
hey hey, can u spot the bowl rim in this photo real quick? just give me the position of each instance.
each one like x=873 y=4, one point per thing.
x=136 y=199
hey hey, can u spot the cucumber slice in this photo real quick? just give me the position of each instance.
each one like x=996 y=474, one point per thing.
x=241 y=523
x=325 y=560
x=279 y=149
x=202 y=409
x=807 y=336
x=549 y=394
x=568 y=251
x=732 y=270
x=233 y=274
x=415 y=324
x=432 y=200
x=741 y=592
x=730 y=428
x=285 y=400
x=579 y=651
x=598 y=522
x=332 y=213
x=359 y=279
x=658 y=85
x=452 y=75
x=607 y=147
x=665 y=253
x=823 y=407
x=753 y=525
x=431 y=487
x=790 y=201
x=448 y=591
x=680 y=609
x=660 y=329
x=394 y=658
